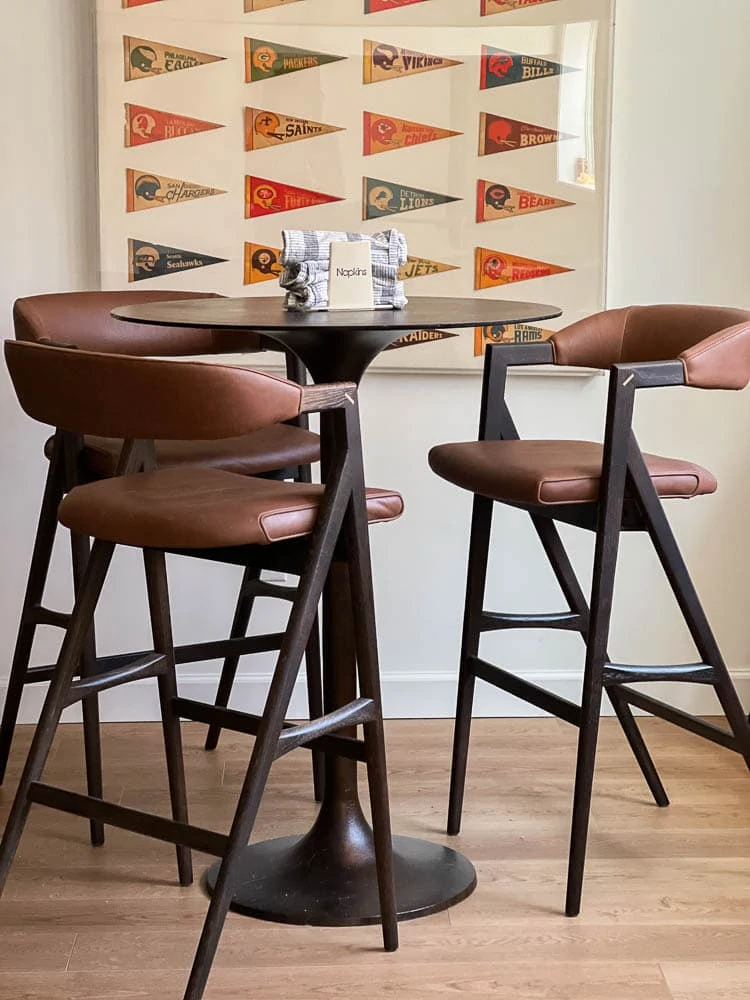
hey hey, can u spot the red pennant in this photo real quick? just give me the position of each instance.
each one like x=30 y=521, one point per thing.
x=267 y=197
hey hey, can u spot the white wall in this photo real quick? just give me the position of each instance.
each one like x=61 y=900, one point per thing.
x=680 y=220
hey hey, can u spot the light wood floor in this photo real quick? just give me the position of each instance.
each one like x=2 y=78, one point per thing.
x=666 y=912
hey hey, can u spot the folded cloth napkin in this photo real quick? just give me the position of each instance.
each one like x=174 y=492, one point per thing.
x=300 y=246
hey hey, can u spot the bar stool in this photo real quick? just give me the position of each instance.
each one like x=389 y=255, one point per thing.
x=285 y=450
x=606 y=490
x=263 y=523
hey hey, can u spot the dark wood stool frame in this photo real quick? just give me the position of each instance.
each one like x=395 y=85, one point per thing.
x=628 y=502
x=65 y=471
x=341 y=533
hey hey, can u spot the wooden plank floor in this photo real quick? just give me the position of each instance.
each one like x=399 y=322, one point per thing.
x=666 y=912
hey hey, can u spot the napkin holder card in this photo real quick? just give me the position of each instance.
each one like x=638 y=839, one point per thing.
x=350 y=282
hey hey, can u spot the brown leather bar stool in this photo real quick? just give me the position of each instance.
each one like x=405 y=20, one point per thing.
x=607 y=490
x=262 y=523
x=283 y=450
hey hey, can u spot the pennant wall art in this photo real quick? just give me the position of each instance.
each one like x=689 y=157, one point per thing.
x=492 y=268
x=386 y=61
x=156 y=191
x=267 y=197
x=272 y=128
x=139 y=3
x=383 y=133
x=145 y=58
x=501 y=201
x=265 y=60
x=251 y=5
x=152 y=260
x=507 y=333
x=144 y=125
x=504 y=6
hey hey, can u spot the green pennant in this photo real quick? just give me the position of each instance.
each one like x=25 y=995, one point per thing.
x=380 y=198
x=265 y=60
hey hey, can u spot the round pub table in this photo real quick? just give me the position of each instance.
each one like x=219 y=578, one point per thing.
x=327 y=876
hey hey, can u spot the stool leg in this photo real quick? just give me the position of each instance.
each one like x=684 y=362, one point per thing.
x=70 y=654
x=161 y=630
x=314 y=676
x=240 y=622
x=637 y=744
x=476 y=577
x=38 y=572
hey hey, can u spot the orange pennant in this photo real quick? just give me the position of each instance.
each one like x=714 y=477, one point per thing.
x=391 y=62
x=492 y=268
x=383 y=133
x=507 y=333
x=266 y=197
x=261 y=263
x=501 y=201
x=421 y=267
x=271 y=128
x=144 y=58
x=144 y=125
x=137 y=3
x=503 y=6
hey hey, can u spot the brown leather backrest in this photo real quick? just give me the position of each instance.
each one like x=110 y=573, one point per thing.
x=83 y=319
x=713 y=343
x=112 y=395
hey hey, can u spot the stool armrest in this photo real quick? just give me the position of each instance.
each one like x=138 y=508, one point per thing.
x=652 y=374
x=331 y=396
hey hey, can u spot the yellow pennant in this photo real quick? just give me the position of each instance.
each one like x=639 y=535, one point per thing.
x=156 y=191
x=383 y=133
x=492 y=268
x=271 y=128
x=421 y=267
x=501 y=201
x=261 y=263
x=145 y=58
x=508 y=333
x=383 y=61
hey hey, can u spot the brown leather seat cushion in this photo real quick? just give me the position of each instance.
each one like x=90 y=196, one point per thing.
x=552 y=472
x=202 y=508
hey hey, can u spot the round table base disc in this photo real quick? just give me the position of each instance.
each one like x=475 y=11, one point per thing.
x=278 y=883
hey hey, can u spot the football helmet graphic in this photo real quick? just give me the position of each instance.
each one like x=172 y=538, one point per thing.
x=499 y=131
x=493 y=267
x=147 y=187
x=265 y=58
x=146 y=258
x=497 y=196
x=265 y=260
x=386 y=57
x=500 y=64
x=265 y=196
x=383 y=131
x=142 y=58
x=380 y=198
x=143 y=125
x=268 y=124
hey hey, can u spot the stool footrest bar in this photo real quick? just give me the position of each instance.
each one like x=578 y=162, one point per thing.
x=679 y=718
x=355 y=713
x=693 y=673
x=39 y=615
x=147 y=666
x=526 y=691
x=491 y=621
